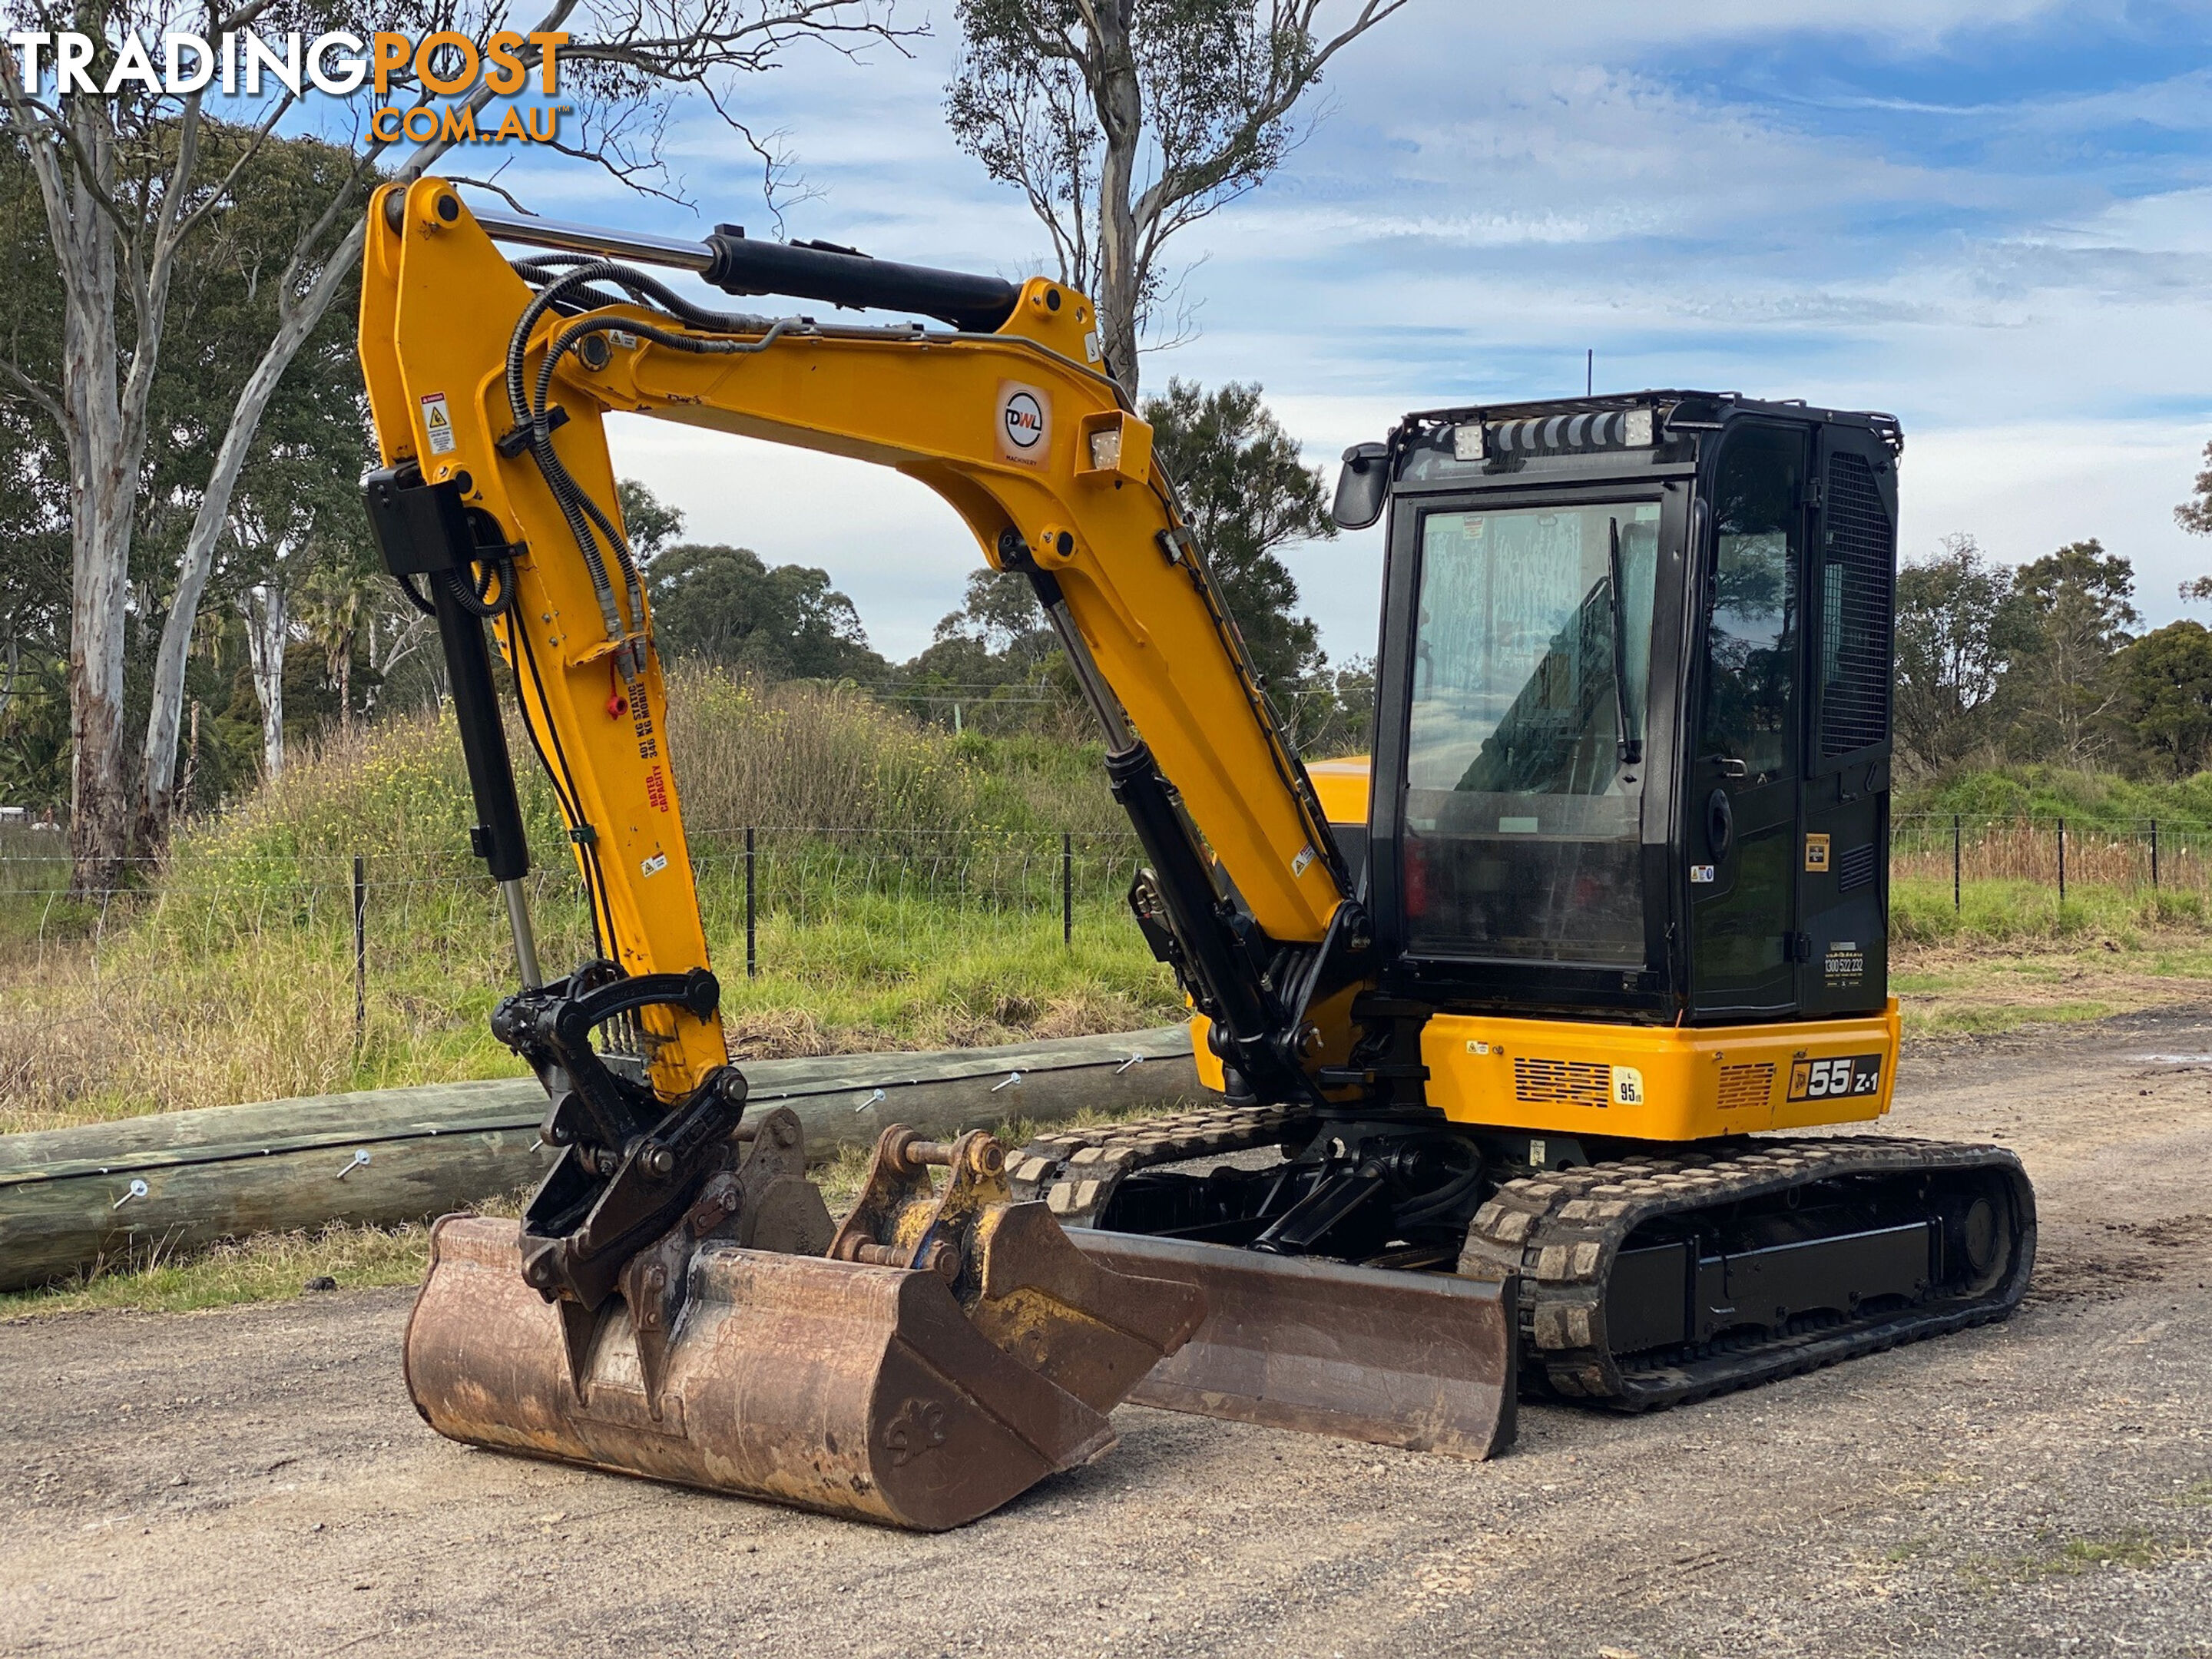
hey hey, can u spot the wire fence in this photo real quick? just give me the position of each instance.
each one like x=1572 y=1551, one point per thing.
x=1969 y=849
x=760 y=889
x=784 y=899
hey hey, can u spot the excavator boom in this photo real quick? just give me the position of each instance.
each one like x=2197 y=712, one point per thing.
x=658 y=1310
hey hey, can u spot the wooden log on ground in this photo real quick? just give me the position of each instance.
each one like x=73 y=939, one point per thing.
x=145 y=1186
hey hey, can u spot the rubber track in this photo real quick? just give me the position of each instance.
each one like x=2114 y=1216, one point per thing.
x=1559 y=1234
x=1076 y=1173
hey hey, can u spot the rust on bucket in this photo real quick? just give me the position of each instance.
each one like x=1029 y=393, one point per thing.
x=950 y=1350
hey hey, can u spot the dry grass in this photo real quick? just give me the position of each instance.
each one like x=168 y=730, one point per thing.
x=1966 y=986
x=930 y=921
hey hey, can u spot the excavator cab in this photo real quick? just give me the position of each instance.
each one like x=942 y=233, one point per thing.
x=1622 y=847
x=1633 y=685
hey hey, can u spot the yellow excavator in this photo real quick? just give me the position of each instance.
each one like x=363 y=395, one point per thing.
x=1502 y=1019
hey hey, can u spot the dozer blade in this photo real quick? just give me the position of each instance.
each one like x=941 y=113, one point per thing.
x=855 y=1384
x=1425 y=1361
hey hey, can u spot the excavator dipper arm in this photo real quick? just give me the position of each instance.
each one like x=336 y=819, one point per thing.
x=491 y=384
x=638 y=1281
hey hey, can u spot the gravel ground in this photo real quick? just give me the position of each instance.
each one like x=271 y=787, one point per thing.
x=256 y=1482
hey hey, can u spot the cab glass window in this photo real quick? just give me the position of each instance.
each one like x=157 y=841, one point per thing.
x=1751 y=634
x=1531 y=667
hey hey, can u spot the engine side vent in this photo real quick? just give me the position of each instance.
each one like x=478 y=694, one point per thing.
x=1744 y=1087
x=1856 y=869
x=1858 y=573
x=1551 y=1082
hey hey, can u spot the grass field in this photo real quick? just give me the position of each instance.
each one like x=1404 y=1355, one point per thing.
x=1968 y=983
x=922 y=909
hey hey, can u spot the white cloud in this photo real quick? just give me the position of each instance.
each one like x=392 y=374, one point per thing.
x=2026 y=490
x=1490 y=196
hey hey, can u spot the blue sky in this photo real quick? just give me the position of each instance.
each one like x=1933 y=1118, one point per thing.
x=1992 y=219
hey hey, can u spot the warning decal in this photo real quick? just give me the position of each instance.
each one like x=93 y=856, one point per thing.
x=437 y=423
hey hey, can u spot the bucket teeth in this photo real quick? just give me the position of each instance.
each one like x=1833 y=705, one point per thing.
x=950 y=1350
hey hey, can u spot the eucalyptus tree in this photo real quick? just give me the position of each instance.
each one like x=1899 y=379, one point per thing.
x=130 y=177
x=1126 y=122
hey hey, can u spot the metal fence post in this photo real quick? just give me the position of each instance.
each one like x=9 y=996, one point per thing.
x=1067 y=888
x=2061 y=860
x=360 y=952
x=2153 y=856
x=1958 y=847
x=753 y=943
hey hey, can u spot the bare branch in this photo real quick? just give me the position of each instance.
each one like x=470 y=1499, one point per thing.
x=48 y=402
x=220 y=192
x=492 y=185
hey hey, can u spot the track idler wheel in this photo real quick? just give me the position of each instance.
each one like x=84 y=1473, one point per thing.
x=945 y=1351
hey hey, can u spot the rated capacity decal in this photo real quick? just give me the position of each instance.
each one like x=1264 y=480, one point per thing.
x=1826 y=1080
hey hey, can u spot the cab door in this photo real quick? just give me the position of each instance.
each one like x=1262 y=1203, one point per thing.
x=1844 y=874
x=1746 y=767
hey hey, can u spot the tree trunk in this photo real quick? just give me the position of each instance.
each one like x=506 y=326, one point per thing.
x=157 y=796
x=266 y=627
x=103 y=467
x=101 y=409
x=191 y=760
x=1120 y=105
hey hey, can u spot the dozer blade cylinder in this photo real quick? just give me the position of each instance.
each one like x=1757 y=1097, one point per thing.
x=858 y=1391
x=1425 y=1361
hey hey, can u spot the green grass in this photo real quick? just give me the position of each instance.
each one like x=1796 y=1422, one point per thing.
x=270 y=1267
x=2020 y=912
x=2134 y=1548
x=271 y=1015
x=2091 y=800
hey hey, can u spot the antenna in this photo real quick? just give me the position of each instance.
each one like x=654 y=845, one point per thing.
x=1589 y=372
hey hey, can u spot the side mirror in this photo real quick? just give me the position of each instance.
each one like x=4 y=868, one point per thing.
x=1362 y=487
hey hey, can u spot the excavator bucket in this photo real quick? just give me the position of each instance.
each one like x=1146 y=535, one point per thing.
x=947 y=1350
x=1422 y=1360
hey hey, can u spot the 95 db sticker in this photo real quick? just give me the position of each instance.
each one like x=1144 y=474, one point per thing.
x=1825 y=1080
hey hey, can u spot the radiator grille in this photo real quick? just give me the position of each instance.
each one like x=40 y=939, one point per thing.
x=1856 y=869
x=1743 y=1087
x=1540 y=1082
x=1856 y=655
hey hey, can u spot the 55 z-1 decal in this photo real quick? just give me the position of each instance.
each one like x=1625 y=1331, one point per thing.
x=1846 y=1074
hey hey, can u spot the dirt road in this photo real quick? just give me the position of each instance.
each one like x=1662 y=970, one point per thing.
x=256 y=1482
